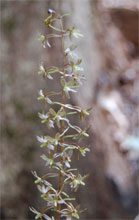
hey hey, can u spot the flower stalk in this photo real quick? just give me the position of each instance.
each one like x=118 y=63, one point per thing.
x=60 y=147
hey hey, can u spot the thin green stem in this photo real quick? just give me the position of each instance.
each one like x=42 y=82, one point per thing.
x=56 y=29
x=60 y=178
x=56 y=35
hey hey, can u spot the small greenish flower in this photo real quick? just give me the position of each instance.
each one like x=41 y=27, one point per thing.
x=44 y=117
x=42 y=70
x=83 y=150
x=43 y=189
x=38 y=214
x=42 y=39
x=48 y=20
x=46 y=217
x=73 y=32
x=38 y=179
x=70 y=212
x=41 y=95
x=49 y=161
x=42 y=139
x=78 y=180
x=48 y=100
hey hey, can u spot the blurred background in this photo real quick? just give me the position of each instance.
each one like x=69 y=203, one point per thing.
x=110 y=52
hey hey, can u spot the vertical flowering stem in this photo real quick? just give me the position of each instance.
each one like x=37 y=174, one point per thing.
x=60 y=181
x=60 y=147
